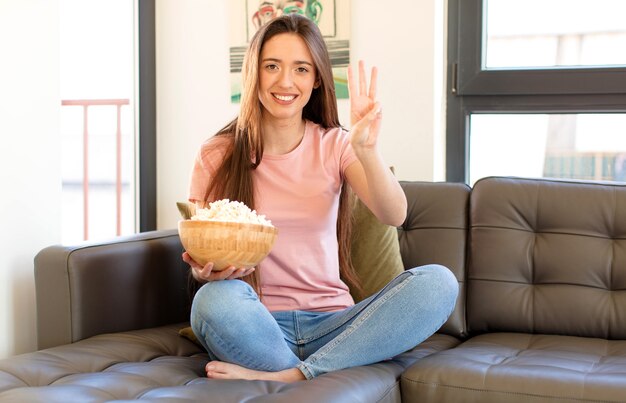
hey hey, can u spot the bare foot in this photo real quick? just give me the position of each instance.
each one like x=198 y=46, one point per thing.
x=224 y=370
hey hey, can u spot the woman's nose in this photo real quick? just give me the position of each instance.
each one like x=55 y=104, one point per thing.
x=285 y=79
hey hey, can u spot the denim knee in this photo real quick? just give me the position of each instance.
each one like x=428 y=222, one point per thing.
x=444 y=284
x=216 y=300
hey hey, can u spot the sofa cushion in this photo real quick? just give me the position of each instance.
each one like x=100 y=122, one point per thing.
x=548 y=256
x=159 y=365
x=435 y=231
x=514 y=367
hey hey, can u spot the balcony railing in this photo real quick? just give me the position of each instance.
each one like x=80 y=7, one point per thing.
x=86 y=104
x=597 y=166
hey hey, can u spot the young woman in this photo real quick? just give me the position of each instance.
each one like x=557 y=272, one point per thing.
x=287 y=157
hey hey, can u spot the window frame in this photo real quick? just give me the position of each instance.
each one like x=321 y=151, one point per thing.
x=472 y=89
x=147 y=202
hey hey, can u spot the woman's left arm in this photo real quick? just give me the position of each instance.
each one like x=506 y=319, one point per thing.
x=370 y=178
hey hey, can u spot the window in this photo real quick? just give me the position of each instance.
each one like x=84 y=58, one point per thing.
x=577 y=146
x=106 y=159
x=97 y=118
x=540 y=33
x=536 y=88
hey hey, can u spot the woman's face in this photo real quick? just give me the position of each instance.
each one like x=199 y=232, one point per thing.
x=286 y=77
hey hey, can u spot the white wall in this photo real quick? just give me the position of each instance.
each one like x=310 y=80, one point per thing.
x=30 y=166
x=405 y=41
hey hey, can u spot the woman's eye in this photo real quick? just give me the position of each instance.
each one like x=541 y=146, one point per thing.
x=302 y=70
x=271 y=67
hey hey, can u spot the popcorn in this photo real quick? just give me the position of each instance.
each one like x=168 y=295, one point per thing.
x=232 y=211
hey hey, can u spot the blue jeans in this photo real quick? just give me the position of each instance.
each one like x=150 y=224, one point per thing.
x=234 y=326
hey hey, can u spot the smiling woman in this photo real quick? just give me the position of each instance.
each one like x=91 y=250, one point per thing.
x=287 y=157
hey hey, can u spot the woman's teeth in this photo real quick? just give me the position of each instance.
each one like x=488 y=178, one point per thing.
x=284 y=97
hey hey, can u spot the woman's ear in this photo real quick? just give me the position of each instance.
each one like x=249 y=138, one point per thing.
x=317 y=83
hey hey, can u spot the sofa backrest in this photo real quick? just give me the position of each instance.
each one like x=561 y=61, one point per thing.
x=435 y=231
x=547 y=256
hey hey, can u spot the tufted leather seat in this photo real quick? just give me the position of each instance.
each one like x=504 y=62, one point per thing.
x=160 y=365
x=104 y=367
x=516 y=367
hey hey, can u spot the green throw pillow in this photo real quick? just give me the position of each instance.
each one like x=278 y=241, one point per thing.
x=188 y=333
x=375 y=251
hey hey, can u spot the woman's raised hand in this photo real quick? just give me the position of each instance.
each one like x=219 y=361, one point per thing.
x=206 y=273
x=365 y=112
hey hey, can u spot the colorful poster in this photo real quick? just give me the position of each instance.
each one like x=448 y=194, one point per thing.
x=331 y=16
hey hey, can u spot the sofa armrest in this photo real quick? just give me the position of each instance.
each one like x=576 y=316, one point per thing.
x=127 y=283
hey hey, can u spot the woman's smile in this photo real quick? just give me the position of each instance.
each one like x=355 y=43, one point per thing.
x=282 y=98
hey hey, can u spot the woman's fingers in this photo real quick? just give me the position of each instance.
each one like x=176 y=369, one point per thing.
x=365 y=131
x=371 y=93
x=362 y=79
x=351 y=85
x=200 y=272
x=206 y=272
x=249 y=271
x=241 y=272
x=375 y=124
x=189 y=260
x=223 y=274
x=373 y=114
x=373 y=83
x=231 y=273
x=186 y=257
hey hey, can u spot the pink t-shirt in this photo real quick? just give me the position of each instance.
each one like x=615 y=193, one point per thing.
x=299 y=193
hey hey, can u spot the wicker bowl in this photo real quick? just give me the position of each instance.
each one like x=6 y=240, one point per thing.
x=226 y=243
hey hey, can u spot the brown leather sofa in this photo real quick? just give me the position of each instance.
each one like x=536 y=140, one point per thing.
x=541 y=315
x=545 y=307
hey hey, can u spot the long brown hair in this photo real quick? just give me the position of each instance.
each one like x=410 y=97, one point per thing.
x=233 y=179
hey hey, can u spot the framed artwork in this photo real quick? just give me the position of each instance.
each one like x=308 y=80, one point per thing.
x=331 y=16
